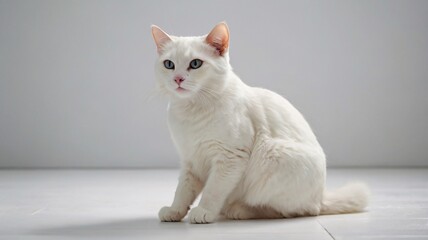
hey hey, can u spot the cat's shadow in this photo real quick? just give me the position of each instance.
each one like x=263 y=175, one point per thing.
x=149 y=228
x=118 y=228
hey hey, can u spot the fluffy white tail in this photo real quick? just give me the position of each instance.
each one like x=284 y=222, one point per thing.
x=350 y=198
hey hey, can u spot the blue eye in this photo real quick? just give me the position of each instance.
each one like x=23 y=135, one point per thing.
x=196 y=63
x=168 y=64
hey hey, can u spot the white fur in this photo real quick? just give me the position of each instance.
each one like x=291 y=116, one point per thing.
x=248 y=148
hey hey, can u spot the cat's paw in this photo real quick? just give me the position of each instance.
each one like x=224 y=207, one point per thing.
x=201 y=215
x=169 y=214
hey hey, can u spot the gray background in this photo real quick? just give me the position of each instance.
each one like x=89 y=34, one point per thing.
x=76 y=76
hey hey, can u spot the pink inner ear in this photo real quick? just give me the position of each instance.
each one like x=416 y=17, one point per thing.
x=219 y=38
x=160 y=37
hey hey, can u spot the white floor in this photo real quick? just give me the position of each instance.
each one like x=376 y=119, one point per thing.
x=123 y=204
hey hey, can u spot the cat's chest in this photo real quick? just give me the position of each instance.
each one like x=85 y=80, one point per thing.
x=191 y=131
x=203 y=137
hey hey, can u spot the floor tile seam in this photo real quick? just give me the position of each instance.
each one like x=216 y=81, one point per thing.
x=325 y=229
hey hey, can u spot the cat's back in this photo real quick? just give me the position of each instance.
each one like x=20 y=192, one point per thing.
x=282 y=119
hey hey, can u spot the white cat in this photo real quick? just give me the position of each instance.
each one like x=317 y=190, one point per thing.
x=249 y=151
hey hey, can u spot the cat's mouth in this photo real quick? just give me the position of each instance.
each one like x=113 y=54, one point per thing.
x=180 y=89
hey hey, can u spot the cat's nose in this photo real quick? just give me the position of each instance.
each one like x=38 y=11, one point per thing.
x=179 y=79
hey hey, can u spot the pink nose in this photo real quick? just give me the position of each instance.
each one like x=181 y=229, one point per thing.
x=178 y=79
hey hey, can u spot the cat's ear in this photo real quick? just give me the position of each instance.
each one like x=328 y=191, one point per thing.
x=160 y=37
x=219 y=38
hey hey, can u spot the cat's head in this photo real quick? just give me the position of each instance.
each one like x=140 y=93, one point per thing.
x=188 y=66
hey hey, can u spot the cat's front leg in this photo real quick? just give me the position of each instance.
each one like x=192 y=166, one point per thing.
x=188 y=189
x=223 y=179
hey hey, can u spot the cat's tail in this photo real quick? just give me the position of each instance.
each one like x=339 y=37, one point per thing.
x=350 y=198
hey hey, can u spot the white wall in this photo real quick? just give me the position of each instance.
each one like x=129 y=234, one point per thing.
x=74 y=76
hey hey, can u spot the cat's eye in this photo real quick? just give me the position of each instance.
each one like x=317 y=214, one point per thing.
x=168 y=64
x=195 y=63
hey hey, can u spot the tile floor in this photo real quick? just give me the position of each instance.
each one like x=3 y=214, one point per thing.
x=123 y=204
